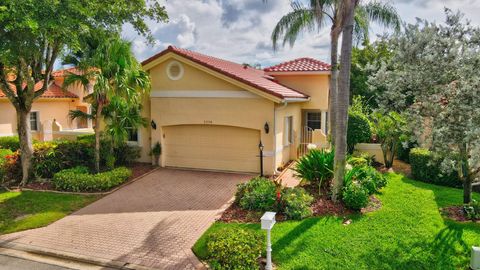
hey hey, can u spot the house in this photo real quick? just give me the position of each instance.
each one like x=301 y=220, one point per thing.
x=212 y=114
x=50 y=111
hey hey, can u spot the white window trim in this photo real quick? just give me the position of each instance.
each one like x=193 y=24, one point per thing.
x=180 y=74
x=138 y=141
x=288 y=131
x=37 y=119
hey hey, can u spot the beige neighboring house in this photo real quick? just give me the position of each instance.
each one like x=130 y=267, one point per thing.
x=49 y=116
x=212 y=114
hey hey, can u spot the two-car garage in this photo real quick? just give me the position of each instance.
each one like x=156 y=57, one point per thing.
x=212 y=147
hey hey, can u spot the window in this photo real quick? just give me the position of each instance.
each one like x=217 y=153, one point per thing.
x=314 y=120
x=132 y=135
x=288 y=136
x=174 y=70
x=34 y=121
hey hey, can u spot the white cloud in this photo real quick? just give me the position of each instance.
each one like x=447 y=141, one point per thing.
x=239 y=30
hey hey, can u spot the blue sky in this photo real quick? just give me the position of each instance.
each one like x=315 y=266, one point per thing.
x=239 y=30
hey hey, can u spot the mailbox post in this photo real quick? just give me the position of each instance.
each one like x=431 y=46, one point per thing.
x=475 y=260
x=268 y=220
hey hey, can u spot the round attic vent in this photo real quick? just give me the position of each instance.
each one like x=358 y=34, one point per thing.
x=174 y=70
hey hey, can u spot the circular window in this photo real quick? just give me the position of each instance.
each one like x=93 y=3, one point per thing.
x=174 y=70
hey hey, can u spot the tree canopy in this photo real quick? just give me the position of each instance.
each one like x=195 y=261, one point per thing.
x=433 y=76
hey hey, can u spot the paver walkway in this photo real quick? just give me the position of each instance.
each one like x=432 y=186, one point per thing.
x=152 y=222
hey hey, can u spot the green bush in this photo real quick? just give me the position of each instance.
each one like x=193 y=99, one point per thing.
x=296 y=203
x=425 y=167
x=234 y=249
x=472 y=210
x=316 y=167
x=358 y=130
x=355 y=196
x=126 y=154
x=357 y=161
x=79 y=180
x=4 y=153
x=403 y=153
x=10 y=142
x=258 y=194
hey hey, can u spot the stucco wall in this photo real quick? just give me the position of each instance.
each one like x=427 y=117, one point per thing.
x=316 y=86
x=250 y=112
x=48 y=109
x=286 y=152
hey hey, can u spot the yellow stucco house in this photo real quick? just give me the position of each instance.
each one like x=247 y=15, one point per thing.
x=212 y=114
x=49 y=116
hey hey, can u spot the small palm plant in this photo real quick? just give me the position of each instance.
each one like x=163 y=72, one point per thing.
x=316 y=167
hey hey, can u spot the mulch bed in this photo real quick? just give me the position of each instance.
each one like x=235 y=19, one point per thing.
x=456 y=213
x=138 y=169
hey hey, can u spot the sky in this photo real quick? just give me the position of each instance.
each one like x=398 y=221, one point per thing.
x=239 y=30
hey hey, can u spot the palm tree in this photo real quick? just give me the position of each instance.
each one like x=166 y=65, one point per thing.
x=347 y=8
x=320 y=13
x=110 y=69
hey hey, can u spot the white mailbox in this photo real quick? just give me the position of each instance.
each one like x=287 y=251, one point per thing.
x=268 y=220
x=475 y=261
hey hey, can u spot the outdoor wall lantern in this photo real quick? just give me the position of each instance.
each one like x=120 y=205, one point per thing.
x=266 y=127
x=260 y=146
x=268 y=220
x=153 y=124
x=475 y=260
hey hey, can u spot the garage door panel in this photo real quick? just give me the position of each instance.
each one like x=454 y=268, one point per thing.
x=212 y=147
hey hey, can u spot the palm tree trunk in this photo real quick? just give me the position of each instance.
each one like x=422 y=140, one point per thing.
x=98 y=117
x=26 y=148
x=332 y=94
x=343 y=97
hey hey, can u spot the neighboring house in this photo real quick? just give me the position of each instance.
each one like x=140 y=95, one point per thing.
x=50 y=111
x=210 y=113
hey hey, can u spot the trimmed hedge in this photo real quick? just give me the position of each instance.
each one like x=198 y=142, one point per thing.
x=427 y=169
x=358 y=130
x=10 y=142
x=232 y=248
x=79 y=179
x=258 y=194
x=296 y=203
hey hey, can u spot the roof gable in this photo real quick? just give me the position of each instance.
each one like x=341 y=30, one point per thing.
x=300 y=65
x=247 y=75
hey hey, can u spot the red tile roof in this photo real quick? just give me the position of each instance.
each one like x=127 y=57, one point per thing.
x=300 y=65
x=253 y=77
x=54 y=91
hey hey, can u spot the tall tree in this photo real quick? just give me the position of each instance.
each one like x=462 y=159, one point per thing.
x=347 y=8
x=320 y=13
x=433 y=77
x=116 y=75
x=34 y=33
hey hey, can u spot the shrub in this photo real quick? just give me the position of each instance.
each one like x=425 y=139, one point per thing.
x=426 y=168
x=403 y=150
x=367 y=176
x=126 y=154
x=296 y=203
x=78 y=179
x=357 y=161
x=3 y=159
x=355 y=196
x=234 y=249
x=316 y=167
x=10 y=142
x=358 y=130
x=472 y=210
x=258 y=194
x=12 y=167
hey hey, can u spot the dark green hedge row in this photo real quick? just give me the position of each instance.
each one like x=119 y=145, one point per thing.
x=427 y=169
x=79 y=179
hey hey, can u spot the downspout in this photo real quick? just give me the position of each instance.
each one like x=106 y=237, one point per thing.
x=285 y=103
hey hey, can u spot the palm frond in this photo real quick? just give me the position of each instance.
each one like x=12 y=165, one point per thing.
x=382 y=13
x=292 y=24
x=77 y=114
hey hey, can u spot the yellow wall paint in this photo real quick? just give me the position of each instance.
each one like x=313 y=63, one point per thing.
x=193 y=79
x=286 y=152
x=316 y=86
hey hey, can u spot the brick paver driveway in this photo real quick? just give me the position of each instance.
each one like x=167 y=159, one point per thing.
x=153 y=222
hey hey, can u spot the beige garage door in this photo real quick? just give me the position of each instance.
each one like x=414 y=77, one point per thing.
x=212 y=147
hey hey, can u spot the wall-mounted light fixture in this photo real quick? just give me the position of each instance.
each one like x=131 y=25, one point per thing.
x=153 y=124
x=266 y=127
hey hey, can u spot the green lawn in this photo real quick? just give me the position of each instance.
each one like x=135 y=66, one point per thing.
x=29 y=209
x=408 y=232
